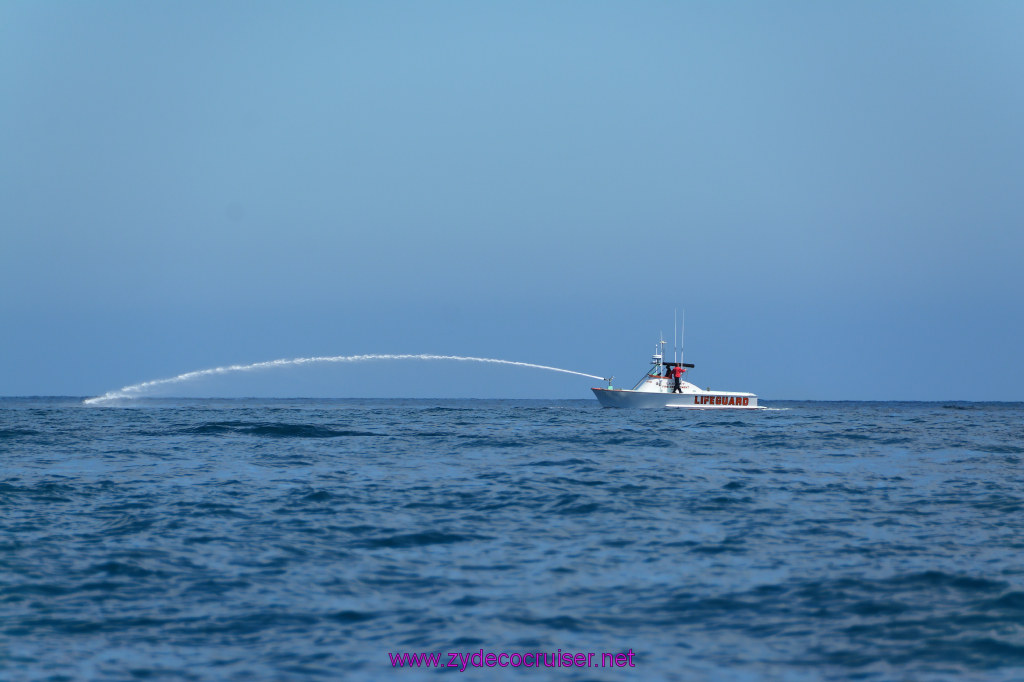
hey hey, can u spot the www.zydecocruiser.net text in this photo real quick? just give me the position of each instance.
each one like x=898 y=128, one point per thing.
x=531 y=659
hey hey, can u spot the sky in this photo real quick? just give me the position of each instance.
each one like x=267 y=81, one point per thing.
x=830 y=191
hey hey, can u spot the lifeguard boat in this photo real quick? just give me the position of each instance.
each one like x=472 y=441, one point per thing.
x=663 y=386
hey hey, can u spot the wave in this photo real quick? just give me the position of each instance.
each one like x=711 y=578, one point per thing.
x=271 y=430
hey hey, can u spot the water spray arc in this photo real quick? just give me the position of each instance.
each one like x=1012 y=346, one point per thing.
x=136 y=389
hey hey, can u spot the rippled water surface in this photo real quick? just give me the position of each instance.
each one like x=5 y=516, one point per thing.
x=259 y=539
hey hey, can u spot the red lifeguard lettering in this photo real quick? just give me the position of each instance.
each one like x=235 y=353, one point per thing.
x=746 y=401
x=694 y=400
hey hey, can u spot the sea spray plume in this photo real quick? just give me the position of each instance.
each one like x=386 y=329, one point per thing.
x=136 y=389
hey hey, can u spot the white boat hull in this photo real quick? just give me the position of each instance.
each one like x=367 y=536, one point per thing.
x=698 y=400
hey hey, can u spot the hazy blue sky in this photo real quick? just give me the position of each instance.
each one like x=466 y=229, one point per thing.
x=832 y=191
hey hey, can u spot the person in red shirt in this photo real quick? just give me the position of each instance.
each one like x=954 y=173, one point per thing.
x=678 y=374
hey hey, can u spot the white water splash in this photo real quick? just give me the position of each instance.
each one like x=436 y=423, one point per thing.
x=134 y=390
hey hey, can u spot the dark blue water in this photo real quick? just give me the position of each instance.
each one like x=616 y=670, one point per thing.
x=279 y=540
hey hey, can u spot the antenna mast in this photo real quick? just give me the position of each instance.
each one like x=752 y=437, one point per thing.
x=675 y=346
x=682 y=335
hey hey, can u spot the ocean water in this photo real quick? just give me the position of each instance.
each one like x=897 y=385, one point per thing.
x=310 y=539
